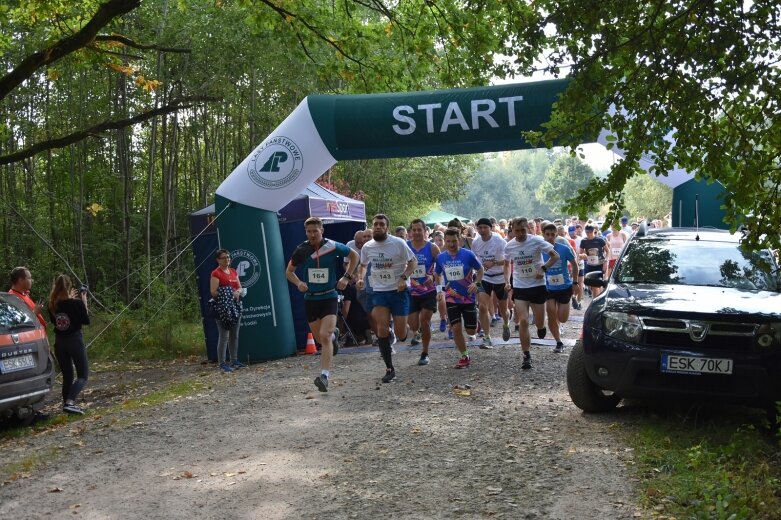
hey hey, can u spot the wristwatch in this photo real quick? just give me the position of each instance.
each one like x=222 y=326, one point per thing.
x=403 y=277
x=348 y=276
x=544 y=268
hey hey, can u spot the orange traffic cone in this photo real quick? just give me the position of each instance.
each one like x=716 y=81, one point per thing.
x=310 y=345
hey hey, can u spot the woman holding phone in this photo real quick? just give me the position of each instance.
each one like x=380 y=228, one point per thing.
x=68 y=312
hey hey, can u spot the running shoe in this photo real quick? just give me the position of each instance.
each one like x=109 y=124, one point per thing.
x=442 y=325
x=480 y=334
x=321 y=382
x=237 y=365
x=416 y=339
x=464 y=362
x=487 y=343
x=449 y=333
x=225 y=368
x=336 y=342
x=574 y=303
x=423 y=360
x=495 y=319
x=392 y=337
x=559 y=348
x=527 y=362
x=389 y=376
x=73 y=409
x=541 y=332
x=472 y=337
x=506 y=332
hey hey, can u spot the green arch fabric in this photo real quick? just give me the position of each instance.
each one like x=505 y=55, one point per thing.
x=324 y=129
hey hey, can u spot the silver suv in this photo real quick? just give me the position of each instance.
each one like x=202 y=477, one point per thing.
x=26 y=367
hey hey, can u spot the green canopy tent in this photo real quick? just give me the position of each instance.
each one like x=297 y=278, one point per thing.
x=442 y=217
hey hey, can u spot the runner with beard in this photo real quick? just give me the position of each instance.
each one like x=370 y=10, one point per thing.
x=423 y=289
x=462 y=275
x=524 y=255
x=392 y=263
x=489 y=249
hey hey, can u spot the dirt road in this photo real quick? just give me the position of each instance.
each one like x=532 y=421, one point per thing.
x=489 y=441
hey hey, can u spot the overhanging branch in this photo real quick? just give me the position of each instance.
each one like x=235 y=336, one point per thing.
x=106 y=12
x=124 y=40
x=60 y=142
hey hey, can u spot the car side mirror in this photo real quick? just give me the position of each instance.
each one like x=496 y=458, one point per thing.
x=594 y=280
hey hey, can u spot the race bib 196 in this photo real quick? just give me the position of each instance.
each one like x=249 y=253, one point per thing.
x=454 y=273
x=419 y=272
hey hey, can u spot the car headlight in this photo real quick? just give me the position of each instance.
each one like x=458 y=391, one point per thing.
x=621 y=325
x=769 y=334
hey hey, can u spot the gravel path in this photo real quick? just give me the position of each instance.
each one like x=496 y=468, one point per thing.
x=488 y=441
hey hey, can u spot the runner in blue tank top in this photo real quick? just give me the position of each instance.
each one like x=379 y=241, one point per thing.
x=424 y=291
x=558 y=280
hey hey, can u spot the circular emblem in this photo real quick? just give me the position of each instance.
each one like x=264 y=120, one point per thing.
x=62 y=321
x=247 y=267
x=275 y=163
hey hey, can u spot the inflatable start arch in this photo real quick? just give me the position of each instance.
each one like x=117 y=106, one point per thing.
x=325 y=129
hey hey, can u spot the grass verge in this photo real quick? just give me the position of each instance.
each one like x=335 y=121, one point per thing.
x=169 y=393
x=721 y=470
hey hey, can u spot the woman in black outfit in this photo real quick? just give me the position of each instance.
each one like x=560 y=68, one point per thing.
x=68 y=312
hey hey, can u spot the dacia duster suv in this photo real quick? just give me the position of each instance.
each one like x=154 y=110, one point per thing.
x=26 y=367
x=686 y=313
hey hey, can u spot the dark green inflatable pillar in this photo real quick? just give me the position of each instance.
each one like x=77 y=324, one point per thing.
x=252 y=236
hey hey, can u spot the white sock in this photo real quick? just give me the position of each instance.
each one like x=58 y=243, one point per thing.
x=326 y=373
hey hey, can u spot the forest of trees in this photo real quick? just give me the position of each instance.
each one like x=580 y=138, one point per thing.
x=119 y=117
x=104 y=152
x=538 y=183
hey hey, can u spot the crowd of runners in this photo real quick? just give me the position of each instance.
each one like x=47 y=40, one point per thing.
x=523 y=273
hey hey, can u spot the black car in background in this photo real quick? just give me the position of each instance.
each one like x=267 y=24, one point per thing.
x=686 y=313
x=26 y=367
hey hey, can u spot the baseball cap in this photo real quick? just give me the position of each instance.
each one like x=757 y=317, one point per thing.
x=624 y=220
x=571 y=229
x=484 y=222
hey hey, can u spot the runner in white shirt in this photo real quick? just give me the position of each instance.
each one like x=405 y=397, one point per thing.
x=524 y=255
x=489 y=249
x=615 y=240
x=392 y=263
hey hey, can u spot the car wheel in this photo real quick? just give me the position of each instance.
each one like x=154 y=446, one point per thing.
x=584 y=393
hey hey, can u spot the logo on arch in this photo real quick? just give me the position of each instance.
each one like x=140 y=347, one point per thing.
x=275 y=163
x=247 y=267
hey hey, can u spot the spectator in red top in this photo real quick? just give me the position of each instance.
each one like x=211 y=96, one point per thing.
x=226 y=276
x=21 y=283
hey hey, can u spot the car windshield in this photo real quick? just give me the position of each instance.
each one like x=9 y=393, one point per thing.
x=685 y=262
x=13 y=316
